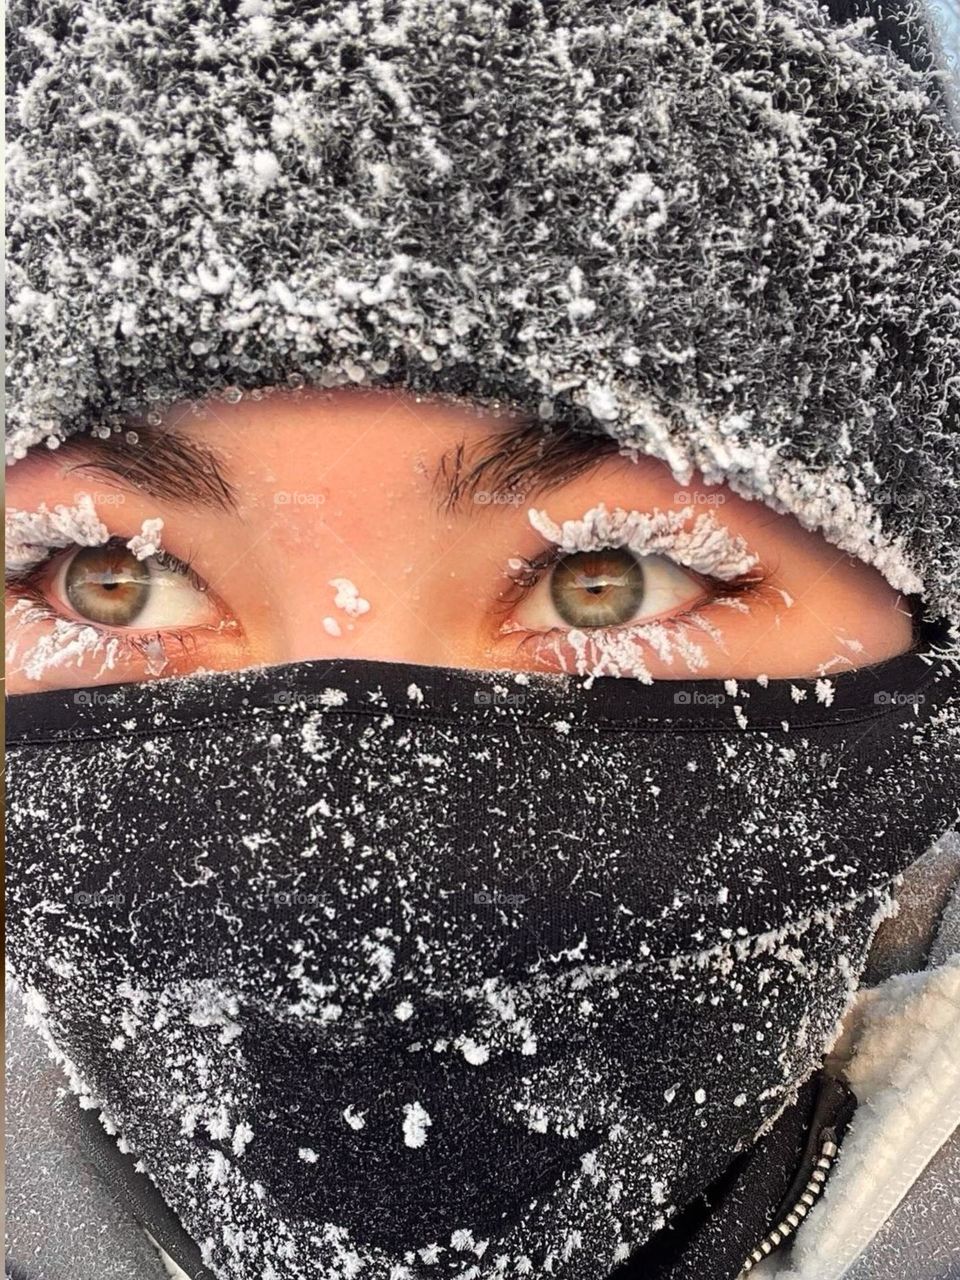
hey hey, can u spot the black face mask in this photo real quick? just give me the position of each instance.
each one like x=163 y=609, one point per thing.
x=396 y=971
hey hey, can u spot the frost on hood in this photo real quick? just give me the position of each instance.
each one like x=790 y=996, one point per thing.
x=531 y=1031
x=761 y=209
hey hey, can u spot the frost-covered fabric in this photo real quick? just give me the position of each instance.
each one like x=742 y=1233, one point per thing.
x=399 y=972
x=727 y=233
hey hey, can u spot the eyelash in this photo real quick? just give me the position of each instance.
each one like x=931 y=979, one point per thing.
x=16 y=579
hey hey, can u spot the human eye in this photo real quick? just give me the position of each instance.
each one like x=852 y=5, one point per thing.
x=616 y=588
x=111 y=607
x=110 y=586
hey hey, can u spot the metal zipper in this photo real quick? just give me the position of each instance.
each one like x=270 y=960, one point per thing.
x=802 y=1206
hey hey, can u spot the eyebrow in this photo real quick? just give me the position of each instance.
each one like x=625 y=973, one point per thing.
x=160 y=462
x=526 y=459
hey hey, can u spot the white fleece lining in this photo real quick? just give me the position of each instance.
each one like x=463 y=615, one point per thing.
x=906 y=1071
x=169 y=1265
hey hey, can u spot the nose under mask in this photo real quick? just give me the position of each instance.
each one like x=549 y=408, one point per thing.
x=397 y=971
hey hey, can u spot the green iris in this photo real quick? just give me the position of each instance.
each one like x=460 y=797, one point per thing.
x=107 y=585
x=597 y=588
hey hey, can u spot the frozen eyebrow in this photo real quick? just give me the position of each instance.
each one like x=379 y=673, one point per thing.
x=524 y=460
x=159 y=462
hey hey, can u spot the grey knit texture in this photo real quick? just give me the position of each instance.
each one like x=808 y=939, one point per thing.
x=726 y=232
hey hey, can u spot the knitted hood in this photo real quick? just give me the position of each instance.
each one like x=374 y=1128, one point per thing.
x=727 y=233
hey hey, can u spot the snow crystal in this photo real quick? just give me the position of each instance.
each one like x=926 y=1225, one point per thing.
x=416 y=1121
x=30 y=535
x=242 y=1136
x=475 y=1054
x=266 y=166
x=825 y=692
x=348 y=598
x=147 y=541
x=333 y=698
x=707 y=547
x=353 y=1118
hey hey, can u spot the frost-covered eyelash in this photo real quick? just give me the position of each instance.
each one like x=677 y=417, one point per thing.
x=71 y=641
x=25 y=574
x=32 y=535
x=720 y=560
x=705 y=546
x=623 y=651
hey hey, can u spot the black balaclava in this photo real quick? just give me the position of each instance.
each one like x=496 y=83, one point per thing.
x=400 y=972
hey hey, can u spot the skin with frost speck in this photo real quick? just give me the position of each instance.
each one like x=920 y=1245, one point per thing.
x=373 y=524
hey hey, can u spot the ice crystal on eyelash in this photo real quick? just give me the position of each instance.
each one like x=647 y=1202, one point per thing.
x=731 y=602
x=706 y=547
x=154 y=656
x=30 y=535
x=620 y=651
x=68 y=643
x=147 y=541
